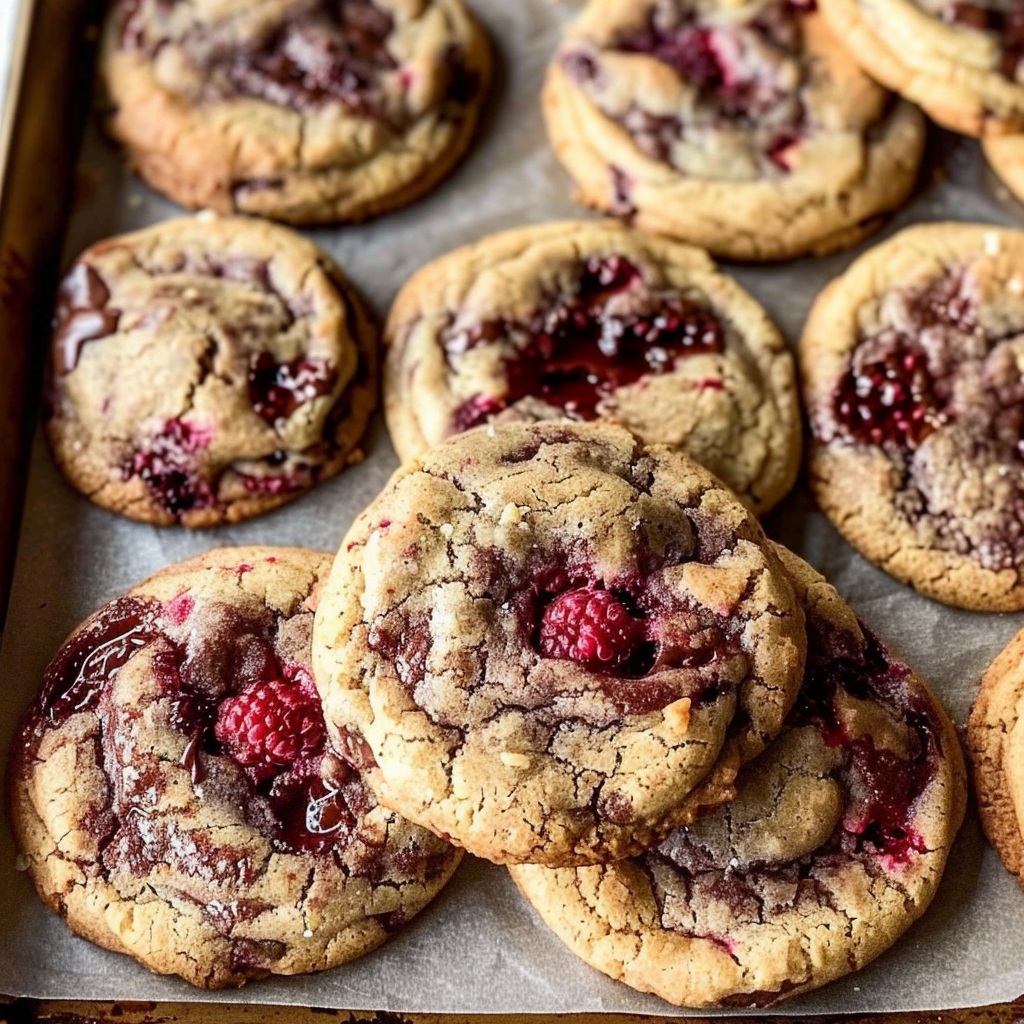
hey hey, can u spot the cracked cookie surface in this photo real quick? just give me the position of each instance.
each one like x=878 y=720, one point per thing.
x=585 y=321
x=207 y=370
x=911 y=375
x=541 y=637
x=174 y=795
x=833 y=847
x=744 y=128
x=995 y=745
x=962 y=62
x=307 y=111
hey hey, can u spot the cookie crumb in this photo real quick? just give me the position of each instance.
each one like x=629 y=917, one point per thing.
x=513 y=760
x=510 y=514
x=677 y=716
x=991 y=243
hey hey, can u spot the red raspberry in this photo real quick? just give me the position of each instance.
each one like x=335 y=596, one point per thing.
x=270 y=725
x=592 y=627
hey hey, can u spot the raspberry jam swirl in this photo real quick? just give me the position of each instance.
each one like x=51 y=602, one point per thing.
x=607 y=333
x=230 y=694
x=326 y=53
x=645 y=645
x=942 y=396
x=177 y=457
x=867 y=738
x=741 y=76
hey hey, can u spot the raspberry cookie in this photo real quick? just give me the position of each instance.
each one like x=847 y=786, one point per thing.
x=207 y=370
x=539 y=639
x=174 y=796
x=742 y=127
x=585 y=320
x=911 y=374
x=963 y=62
x=834 y=846
x=307 y=111
x=995 y=743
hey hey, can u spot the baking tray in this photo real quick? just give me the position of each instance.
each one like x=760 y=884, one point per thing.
x=71 y=556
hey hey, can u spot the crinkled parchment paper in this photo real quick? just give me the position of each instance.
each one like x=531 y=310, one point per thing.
x=480 y=948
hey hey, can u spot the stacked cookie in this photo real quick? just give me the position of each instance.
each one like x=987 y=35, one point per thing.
x=548 y=644
x=745 y=128
x=579 y=656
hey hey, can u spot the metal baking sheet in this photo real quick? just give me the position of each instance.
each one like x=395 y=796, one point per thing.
x=967 y=951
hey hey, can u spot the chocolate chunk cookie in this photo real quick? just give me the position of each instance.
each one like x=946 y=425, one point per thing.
x=835 y=844
x=911 y=374
x=174 y=795
x=742 y=127
x=540 y=637
x=205 y=370
x=963 y=62
x=585 y=320
x=307 y=111
x=995 y=734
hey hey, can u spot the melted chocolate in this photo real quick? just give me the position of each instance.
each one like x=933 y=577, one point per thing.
x=82 y=315
x=276 y=390
x=74 y=680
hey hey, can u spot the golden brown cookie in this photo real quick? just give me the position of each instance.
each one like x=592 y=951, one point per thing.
x=207 y=369
x=540 y=637
x=741 y=127
x=960 y=61
x=591 y=320
x=995 y=743
x=910 y=366
x=307 y=111
x=833 y=847
x=174 y=796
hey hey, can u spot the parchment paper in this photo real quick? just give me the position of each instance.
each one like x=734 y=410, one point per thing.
x=480 y=948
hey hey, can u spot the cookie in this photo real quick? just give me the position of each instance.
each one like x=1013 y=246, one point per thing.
x=306 y=111
x=962 y=62
x=834 y=846
x=174 y=797
x=1005 y=155
x=586 y=320
x=911 y=377
x=206 y=370
x=741 y=127
x=539 y=638
x=995 y=735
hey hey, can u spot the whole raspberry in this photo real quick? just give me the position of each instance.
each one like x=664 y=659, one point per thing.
x=270 y=725
x=592 y=627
